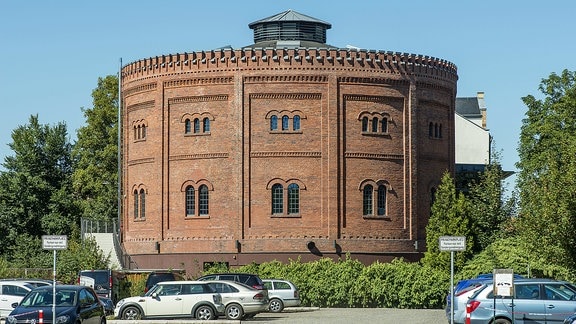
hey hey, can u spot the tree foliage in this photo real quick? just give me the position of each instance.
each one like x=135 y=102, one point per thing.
x=95 y=153
x=35 y=188
x=547 y=178
x=450 y=217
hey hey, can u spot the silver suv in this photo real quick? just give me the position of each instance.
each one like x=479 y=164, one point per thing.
x=535 y=301
x=173 y=299
x=281 y=293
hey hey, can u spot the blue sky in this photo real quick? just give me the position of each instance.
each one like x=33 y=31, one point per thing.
x=53 y=52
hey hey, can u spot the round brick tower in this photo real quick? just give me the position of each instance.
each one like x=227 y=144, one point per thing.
x=282 y=149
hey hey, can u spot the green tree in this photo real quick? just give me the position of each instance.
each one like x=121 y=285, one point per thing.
x=488 y=212
x=95 y=153
x=449 y=218
x=35 y=188
x=547 y=164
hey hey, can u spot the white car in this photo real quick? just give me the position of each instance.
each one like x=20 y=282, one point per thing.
x=12 y=291
x=281 y=293
x=173 y=299
x=240 y=301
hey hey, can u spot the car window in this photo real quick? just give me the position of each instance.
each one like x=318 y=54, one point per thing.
x=227 y=277
x=282 y=285
x=558 y=291
x=85 y=297
x=211 y=277
x=267 y=285
x=168 y=290
x=528 y=291
x=13 y=290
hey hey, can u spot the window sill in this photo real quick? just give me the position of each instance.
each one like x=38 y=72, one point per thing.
x=286 y=216
x=197 y=217
x=383 y=217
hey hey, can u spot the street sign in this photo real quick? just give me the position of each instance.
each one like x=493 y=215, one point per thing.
x=452 y=243
x=54 y=242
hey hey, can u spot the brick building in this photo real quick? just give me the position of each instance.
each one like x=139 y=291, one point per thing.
x=285 y=148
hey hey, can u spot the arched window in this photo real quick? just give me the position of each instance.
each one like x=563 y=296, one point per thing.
x=384 y=125
x=285 y=120
x=136 y=204
x=206 y=125
x=367 y=200
x=431 y=130
x=203 y=200
x=187 y=126
x=196 y=125
x=274 y=123
x=365 y=124
x=143 y=131
x=142 y=203
x=277 y=199
x=190 y=201
x=296 y=123
x=293 y=199
x=375 y=125
x=440 y=131
x=436 y=131
x=382 y=200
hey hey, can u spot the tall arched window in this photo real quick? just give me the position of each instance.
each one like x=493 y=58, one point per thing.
x=365 y=124
x=142 y=203
x=293 y=199
x=367 y=200
x=277 y=199
x=206 y=125
x=285 y=120
x=382 y=200
x=203 y=200
x=375 y=125
x=274 y=123
x=190 y=201
x=187 y=126
x=196 y=125
x=431 y=129
x=384 y=125
x=136 y=204
x=143 y=131
x=296 y=123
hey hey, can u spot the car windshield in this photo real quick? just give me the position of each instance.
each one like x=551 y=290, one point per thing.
x=46 y=298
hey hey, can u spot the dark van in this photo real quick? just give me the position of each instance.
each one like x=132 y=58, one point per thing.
x=105 y=282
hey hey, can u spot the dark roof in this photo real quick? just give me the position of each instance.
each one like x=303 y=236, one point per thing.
x=290 y=15
x=468 y=107
x=290 y=29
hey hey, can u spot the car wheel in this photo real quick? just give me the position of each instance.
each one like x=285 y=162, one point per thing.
x=131 y=313
x=276 y=305
x=234 y=312
x=204 y=313
x=502 y=321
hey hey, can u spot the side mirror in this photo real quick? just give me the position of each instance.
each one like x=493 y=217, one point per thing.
x=154 y=295
x=14 y=305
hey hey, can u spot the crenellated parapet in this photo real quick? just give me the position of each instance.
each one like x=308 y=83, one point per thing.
x=293 y=58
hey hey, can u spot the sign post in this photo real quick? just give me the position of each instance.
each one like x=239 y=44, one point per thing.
x=54 y=242
x=452 y=243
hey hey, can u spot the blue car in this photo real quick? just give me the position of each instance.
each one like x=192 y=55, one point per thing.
x=73 y=304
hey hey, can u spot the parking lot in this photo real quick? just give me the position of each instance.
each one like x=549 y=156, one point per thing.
x=328 y=316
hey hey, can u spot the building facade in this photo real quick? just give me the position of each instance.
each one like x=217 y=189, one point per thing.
x=284 y=149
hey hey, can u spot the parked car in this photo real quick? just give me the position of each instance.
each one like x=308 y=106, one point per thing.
x=249 y=279
x=155 y=277
x=281 y=293
x=570 y=319
x=108 y=305
x=74 y=304
x=173 y=299
x=12 y=291
x=535 y=301
x=240 y=301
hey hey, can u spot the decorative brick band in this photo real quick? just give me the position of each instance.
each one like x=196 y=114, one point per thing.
x=376 y=99
x=198 y=156
x=140 y=161
x=141 y=105
x=285 y=154
x=141 y=88
x=209 y=98
x=286 y=78
x=198 y=81
x=373 y=156
x=287 y=96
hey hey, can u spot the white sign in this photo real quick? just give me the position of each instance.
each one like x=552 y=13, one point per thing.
x=452 y=243
x=503 y=282
x=54 y=242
